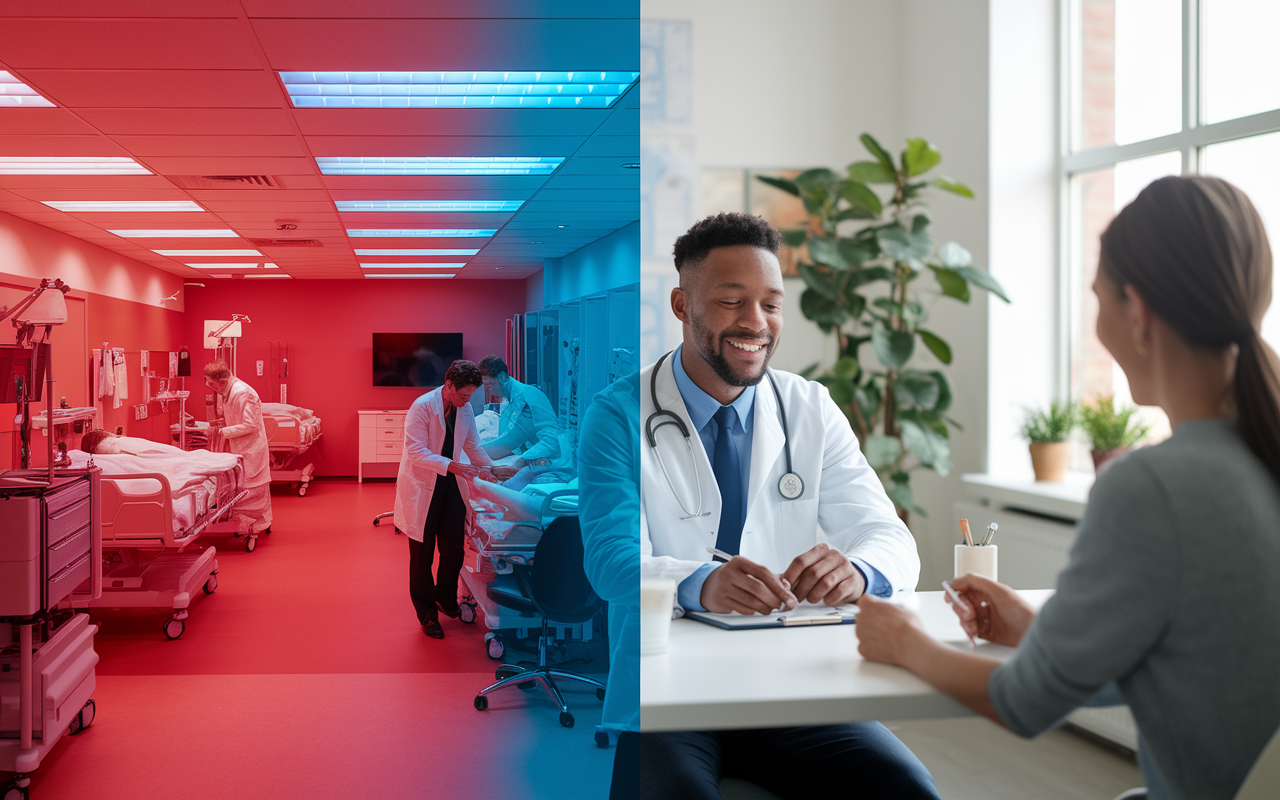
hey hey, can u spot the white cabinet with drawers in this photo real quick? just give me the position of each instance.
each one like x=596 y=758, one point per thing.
x=381 y=442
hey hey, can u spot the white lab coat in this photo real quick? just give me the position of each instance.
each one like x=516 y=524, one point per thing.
x=527 y=425
x=245 y=432
x=842 y=494
x=421 y=463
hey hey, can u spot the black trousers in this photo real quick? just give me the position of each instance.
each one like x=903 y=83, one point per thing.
x=444 y=530
x=856 y=760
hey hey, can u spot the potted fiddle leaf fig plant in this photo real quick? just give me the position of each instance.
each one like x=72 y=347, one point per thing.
x=1047 y=432
x=1112 y=431
x=869 y=243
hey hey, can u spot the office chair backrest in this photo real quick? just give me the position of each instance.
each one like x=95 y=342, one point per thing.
x=559 y=580
x=1263 y=780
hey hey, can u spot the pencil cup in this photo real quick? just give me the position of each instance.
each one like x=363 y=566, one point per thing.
x=657 y=598
x=977 y=559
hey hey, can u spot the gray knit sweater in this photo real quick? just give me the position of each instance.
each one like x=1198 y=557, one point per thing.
x=1173 y=592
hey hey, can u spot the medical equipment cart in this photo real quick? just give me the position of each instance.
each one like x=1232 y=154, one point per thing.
x=50 y=547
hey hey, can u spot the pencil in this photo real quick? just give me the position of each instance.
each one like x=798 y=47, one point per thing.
x=964 y=529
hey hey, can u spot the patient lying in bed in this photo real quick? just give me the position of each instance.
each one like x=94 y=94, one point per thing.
x=101 y=442
x=526 y=506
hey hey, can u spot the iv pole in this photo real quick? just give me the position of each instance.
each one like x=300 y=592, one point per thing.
x=52 y=311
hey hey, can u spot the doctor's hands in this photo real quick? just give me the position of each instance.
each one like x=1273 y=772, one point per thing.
x=503 y=473
x=471 y=471
x=995 y=613
x=824 y=575
x=746 y=587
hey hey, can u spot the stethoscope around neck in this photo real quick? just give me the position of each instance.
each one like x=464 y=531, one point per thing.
x=789 y=485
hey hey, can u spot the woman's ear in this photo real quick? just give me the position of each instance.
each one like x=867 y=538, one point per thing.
x=1139 y=317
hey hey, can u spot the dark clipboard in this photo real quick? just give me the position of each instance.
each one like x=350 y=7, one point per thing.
x=847 y=615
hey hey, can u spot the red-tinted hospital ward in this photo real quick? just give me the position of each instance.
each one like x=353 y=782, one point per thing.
x=302 y=308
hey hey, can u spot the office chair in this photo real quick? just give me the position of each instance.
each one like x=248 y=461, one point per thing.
x=554 y=587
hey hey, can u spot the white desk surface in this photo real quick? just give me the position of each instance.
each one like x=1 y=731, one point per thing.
x=713 y=679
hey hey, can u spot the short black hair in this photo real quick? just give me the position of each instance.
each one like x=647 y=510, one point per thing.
x=492 y=367
x=725 y=230
x=463 y=373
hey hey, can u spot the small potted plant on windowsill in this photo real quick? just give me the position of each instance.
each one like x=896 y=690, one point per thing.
x=1047 y=433
x=1112 y=431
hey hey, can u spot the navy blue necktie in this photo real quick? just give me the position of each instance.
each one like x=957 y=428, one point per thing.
x=728 y=474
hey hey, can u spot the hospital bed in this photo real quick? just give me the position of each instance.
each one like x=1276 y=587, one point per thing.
x=291 y=430
x=154 y=508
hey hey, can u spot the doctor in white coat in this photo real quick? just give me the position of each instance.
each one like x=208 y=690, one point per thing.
x=527 y=428
x=245 y=433
x=430 y=507
x=727 y=485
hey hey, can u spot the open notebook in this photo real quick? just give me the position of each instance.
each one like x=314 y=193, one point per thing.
x=805 y=614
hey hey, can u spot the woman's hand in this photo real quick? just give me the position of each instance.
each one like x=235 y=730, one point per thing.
x=888 y=632
x=995 y=613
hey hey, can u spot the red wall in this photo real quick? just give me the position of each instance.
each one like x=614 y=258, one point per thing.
x=331 y=323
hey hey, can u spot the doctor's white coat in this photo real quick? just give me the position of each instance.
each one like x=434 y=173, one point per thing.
x=842 y=494
x=422 y=463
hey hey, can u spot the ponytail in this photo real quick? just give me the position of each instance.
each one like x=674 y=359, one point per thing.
x=1257 y=399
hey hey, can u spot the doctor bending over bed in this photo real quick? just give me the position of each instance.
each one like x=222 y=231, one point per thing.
x=527 y=427
x=245 y=433
x=750 y=462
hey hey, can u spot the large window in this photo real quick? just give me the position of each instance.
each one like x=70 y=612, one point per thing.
x=1155 y=88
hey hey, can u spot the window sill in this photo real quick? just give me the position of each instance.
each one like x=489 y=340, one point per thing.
x=1064 y=500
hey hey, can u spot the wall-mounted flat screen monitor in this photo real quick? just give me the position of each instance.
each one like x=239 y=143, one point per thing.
x=414 y=359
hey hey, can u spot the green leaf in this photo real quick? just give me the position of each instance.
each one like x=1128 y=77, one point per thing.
x=983 y=280
x=845 y=368
x=944 y=392
x=861 y=277
x=780 y=183
x=882 y=452
x=920 y=156
x=932 y=448
x=871 y=172
x=916 y=390
x=841 y=390
x=893 y=348
x=868 y=401
x=900 y=494
x=953 y=283
x=826 y=312
x=939 y=348
x=954 y=256
x=795 y=236
x=853 y=343
x=816 y=178
x=820 y=280
x=855 y=252
x=817 y=200
x=955 y=187
x=826 y=251
x=853 y=213
x=898 y=244
x=873 y=147
x=913 y=314
x=859 y=196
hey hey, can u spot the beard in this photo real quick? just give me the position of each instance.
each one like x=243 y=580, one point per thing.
x=705 y=342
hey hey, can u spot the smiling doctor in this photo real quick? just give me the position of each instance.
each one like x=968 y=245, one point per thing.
x=752 y=462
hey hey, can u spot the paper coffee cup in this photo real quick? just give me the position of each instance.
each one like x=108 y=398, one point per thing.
x=978 y=560
x=657 y=598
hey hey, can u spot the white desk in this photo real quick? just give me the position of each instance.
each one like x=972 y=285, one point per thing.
x=717 y=679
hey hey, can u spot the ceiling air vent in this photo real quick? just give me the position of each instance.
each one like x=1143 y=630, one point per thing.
x=226 y=181
x=285 y=242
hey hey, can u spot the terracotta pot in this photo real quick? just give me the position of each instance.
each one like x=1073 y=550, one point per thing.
x=1101 y=457
x=1050 y=461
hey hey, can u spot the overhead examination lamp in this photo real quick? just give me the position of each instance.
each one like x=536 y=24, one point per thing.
x=45 y=307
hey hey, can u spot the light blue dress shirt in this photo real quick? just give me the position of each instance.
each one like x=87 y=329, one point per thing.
x=702 y=409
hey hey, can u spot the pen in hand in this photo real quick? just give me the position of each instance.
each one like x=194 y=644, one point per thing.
x=789 y=602
x=959 y=601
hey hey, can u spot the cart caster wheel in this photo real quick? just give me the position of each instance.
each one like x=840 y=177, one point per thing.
x=211 y=584
x=16 y=793
x=302 y=491
x=467 y=613
x=602 y=740
x=399 y=531
x=251 y=544
x=495 y=648
x=599 y=694
x=268 y=531
x=377 y=522
x=174 y=628
x=82 y=720
x=566 y=719
x=481 y=703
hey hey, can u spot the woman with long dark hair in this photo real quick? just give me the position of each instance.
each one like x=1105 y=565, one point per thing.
x=1172 y=591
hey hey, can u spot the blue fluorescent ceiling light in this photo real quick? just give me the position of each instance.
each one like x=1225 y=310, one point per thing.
x=416 y=252
x=121 y=206
x=433 y=165
x=433 y=233
x=413 y=266
x=69 y=165
x=15 y=93
x=178 y=233
x=429 y=205
x=456 y=89
x=222 y=253
x=405 y=275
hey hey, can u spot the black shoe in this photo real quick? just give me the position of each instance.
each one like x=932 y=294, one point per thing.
x=452 y=612
x=433 y=629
